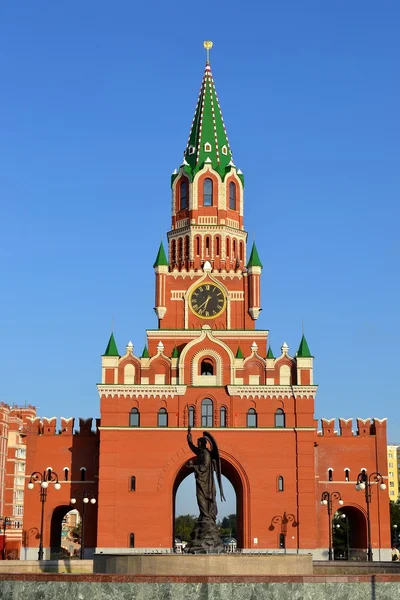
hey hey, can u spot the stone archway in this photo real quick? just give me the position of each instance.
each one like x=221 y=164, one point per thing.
x=349 y=533
x=57 y=544
x=235 y=474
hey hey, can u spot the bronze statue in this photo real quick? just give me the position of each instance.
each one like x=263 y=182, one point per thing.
x=206 y=536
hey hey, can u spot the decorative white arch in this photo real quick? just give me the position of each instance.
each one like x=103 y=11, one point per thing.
x=206 y=333
x=197 y=379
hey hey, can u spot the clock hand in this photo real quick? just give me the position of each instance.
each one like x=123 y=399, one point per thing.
x=205 y=302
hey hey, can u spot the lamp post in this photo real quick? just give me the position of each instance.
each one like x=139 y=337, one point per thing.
x=365 y=482
x=87 y=496
x=44 y=479
x=6 y=523
x=327 y=500
x=346 y=520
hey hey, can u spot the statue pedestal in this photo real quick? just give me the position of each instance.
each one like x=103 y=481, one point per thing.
x=206 y=539
x=203 y=564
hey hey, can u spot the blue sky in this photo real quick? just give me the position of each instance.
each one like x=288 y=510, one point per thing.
x=96 y=104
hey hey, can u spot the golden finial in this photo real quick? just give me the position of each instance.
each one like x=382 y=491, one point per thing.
x=208 y=45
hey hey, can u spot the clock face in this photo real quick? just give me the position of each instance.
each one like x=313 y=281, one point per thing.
x=207 y=301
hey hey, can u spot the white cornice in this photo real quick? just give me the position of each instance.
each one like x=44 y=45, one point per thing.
x=217 y=333
x=199 y=429
x=271 y=391
x=149 y=391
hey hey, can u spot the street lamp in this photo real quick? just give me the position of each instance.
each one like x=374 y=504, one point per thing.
x=6 y=523
x=44 y=479
x=87 y=497
x=365 y=482
x=327 y=499
x=346 y=520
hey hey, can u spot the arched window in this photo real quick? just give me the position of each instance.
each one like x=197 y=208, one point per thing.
x=206 y=367
x=66 y=473
x=207 y=413
x=234 y=248
x=207 y=246
x=132 y=484
x=191 y=416
x=180 y=249
x=281 y=540
x=217 y=244
x=134 y=418
x=347 y=474
x=173 y=252
x=187 y=246
x=222 y=416
x=241 y=250
x=280 y=483
x=207 y=192
x=83 y=473
x=131 y=540
x=162 y=420
x=279 y=418
x=183 y=194
x=197 y=246
x=228 y=247
x=232 y=196
x=251 y=418
x=330 y=474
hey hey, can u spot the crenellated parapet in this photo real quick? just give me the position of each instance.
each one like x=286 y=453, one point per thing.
x=363 y=427
x=45 y=426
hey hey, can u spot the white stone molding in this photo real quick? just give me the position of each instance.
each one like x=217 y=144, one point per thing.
x=272 y=391
x=144 y=391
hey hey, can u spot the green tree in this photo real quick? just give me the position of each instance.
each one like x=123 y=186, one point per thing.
x=227 y=526
x=184 y=526
x=76 y=532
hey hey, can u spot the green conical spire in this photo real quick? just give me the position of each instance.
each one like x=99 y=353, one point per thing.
x=208 y=140
x=145 y=353
x=175 y=353
x=254 y=260
x=161 y=259
x=270 y=354
x=239 y=353
x=111 y=349
x=304 y=350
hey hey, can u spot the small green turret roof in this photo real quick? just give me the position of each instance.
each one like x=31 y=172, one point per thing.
x=208 y=140
x=270 y=354
x=239 y=353
x=111 y=349
x=161 y=258
x=304 y=350
x=175 y=353
x=145 y=353
x=254 y=260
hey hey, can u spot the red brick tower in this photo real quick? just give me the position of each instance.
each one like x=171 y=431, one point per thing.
x=206 y=366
